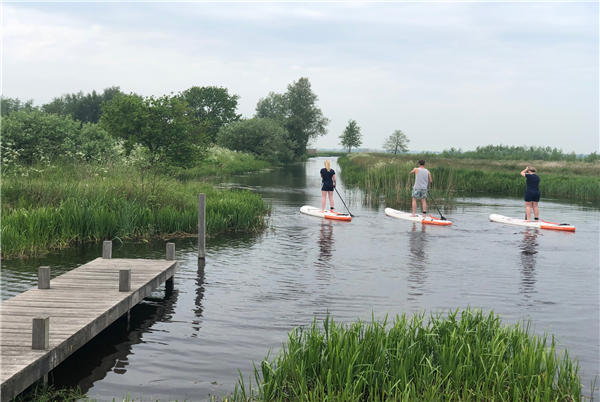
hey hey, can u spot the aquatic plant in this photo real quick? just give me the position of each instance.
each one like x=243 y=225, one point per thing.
x=460 y=356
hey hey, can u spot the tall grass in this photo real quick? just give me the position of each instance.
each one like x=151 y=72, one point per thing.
x=458 y=357
x=59 y=206
x=385 y=175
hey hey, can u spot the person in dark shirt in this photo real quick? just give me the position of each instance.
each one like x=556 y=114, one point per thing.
x=532 y=194
x=327 y=185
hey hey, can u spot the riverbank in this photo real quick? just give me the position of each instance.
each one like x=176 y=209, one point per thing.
x=47 y=207
x=388 y=175
x=452 y=357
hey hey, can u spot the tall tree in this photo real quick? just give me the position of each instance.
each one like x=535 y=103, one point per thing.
x=9 y=105
x=213 y=107
x=351 y=137
x=83 y=107
x=397 y=142
x=297 y=111
x=162 y=127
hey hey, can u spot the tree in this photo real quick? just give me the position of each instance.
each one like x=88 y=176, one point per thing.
x=10 y=105
x=398 y=141
x=162 y=127
x=264 y=138
x=298 y=113
x=85 y=108
x=351 y=137
x=212 y=107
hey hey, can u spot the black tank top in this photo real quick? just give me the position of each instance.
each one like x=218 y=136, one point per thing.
x=327 y=176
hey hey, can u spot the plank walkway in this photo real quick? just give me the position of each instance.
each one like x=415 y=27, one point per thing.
x=80 y=304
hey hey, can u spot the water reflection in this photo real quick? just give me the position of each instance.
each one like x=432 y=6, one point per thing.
x=326 y=246
x=528 y=261
x=199 y=309
x=417 y=261
x=109 y=350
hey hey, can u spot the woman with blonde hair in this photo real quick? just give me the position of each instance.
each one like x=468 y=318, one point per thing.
x=532 y=194
x=327 y=185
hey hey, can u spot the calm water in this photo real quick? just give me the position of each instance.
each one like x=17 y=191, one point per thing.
x=253 y=289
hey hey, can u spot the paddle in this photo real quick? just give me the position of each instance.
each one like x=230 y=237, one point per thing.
x=343 y=202
x=436 y=207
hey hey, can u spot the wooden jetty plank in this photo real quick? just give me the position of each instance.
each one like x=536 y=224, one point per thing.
x=80 y=303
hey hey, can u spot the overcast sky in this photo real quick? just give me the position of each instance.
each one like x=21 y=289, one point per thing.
x=446 y=74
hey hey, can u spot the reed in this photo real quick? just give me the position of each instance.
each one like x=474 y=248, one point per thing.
x=387 y=176
x=61 y=206
x=455 y=357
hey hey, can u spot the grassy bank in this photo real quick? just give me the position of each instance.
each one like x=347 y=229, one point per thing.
x=387 y=175
x=49 y=207
x=458 y=357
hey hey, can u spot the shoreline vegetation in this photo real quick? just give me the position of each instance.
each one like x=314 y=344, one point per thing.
x=52 y=206
x=466 y=356
x=386 y=175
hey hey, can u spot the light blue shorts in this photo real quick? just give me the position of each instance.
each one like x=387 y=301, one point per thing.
x=419 y=193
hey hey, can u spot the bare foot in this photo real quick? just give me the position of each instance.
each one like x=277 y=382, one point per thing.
x=413 y=215
x=321 y=211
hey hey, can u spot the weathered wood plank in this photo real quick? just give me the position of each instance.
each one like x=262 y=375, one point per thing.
x=76 y=314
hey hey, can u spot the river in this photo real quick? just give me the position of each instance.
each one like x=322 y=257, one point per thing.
x=254 y=288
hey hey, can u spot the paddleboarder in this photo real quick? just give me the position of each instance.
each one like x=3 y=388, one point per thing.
x=327 y=185
x=422 y=180
x=532 y=194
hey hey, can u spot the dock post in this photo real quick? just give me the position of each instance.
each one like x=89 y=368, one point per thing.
x=107 y=250
x=41 y=333
x=44 y=278
x=201 y=226
x=124 y=280
x=170 y=257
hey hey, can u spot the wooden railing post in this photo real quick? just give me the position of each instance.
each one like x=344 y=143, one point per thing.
x=107 y=250
x=201 y=225
x=41 y=333
x=124 y=280
x=170 y=251
x=44 y=278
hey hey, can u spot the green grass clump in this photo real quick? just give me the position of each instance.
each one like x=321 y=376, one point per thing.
x=388 y=176
x=55 y=206
x=466 y=357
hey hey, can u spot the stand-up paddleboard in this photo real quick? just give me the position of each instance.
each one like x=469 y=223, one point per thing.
x=313 y=211
x=532 y=224
x=430 y=220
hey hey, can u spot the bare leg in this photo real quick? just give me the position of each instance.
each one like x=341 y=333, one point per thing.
x=527 y=210
x=536 y=211
x=330 y=199
x=323 y=198
x=414 y=205
x=424 y=204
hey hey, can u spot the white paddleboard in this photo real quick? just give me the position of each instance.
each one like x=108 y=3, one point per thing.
x=313 y=211
x=532 y=224
x=429 y=220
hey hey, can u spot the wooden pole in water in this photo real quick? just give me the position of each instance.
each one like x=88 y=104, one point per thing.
x=170 y=257
x=201 y=226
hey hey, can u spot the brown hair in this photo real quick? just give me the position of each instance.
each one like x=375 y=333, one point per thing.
x=531 y=169
x=421 y=162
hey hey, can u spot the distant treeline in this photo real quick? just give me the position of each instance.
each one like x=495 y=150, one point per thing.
x=172 y=130
x=518 y=153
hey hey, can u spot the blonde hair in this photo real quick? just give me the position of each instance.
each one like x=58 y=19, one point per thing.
x=327 y=165
x=531 y=169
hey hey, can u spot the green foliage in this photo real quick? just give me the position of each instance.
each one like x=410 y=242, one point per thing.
x=386 y=175
x=454 y=357
x=9 y=105
x=591 y=158
x=212 y=107
x=398 y=141
x=297 y=111
x=505 y=152
x=351 y=137
x=60 y=206
x=162 y=126
x=84 y=108
x=264 y=138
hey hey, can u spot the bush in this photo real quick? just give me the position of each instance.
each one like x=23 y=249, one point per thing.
x=264 y=138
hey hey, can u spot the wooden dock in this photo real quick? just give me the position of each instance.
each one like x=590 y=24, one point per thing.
x=43 y=326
